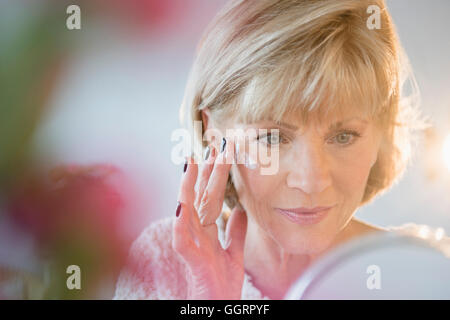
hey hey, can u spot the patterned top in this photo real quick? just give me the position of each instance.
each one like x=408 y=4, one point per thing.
x=155 y=271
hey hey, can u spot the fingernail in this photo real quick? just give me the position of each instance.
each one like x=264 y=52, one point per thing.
x=208 y=150
x=224 y=143
x=178 y=209
x=185 y=165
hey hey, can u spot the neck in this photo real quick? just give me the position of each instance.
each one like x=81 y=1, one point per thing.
x=272 y=269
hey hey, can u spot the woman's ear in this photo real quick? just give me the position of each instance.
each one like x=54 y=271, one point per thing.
x=206 y=116
x=211 y=133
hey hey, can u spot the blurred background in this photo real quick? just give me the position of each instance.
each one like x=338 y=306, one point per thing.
x=86 y=118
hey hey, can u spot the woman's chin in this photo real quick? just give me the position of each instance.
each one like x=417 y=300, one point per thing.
x=306 y=243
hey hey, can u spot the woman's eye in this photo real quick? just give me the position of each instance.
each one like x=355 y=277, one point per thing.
x=270 y=138
x=347 y=137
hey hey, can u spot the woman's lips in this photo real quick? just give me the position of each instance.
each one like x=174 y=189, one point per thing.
x=305 y=216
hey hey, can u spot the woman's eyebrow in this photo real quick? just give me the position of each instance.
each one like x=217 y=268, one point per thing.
x=277 y=124
x=333 y=126
x=287 y=126
x=339 y=124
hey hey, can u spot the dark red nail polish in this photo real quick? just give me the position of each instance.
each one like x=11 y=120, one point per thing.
x=185 y=166
x=178 y=209
x=224 y=143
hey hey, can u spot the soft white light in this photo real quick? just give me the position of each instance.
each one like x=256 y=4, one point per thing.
x=424 y=231
x=439 y=233
x=446 y=151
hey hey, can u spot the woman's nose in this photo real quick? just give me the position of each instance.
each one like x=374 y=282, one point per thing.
x=309 y=170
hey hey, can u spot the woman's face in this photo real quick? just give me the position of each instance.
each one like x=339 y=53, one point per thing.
x=323 y=164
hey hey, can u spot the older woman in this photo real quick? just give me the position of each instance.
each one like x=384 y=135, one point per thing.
x=332 y=87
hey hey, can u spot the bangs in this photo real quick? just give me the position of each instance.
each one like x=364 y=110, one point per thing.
x=340 y=76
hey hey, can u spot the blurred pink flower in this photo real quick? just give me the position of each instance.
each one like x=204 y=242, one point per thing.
x=78 y=209
x=153 y=15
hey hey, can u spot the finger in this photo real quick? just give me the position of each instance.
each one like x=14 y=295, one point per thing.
x=235 y=233
x=205 y=174
x=189 y=219
x=212 y=199
x=187 y=193
x=184 y=241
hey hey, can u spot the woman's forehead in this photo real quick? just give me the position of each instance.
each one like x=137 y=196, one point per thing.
x=333 y=117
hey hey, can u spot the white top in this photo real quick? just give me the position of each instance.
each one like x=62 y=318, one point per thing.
x=155 y=271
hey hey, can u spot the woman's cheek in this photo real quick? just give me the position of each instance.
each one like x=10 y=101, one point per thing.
x=354 y=171
x=252 y=186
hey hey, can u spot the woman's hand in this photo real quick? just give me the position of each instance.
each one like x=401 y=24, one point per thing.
x=213 y=272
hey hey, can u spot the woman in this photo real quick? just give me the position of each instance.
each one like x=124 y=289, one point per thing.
x=332 y=87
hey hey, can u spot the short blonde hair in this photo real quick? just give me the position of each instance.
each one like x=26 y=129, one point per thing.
x=265 y=59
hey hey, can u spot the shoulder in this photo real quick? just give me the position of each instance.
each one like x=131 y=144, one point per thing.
x=153 y=269
x=436 y=237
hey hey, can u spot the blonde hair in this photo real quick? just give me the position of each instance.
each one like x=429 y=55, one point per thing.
x=265 y=59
